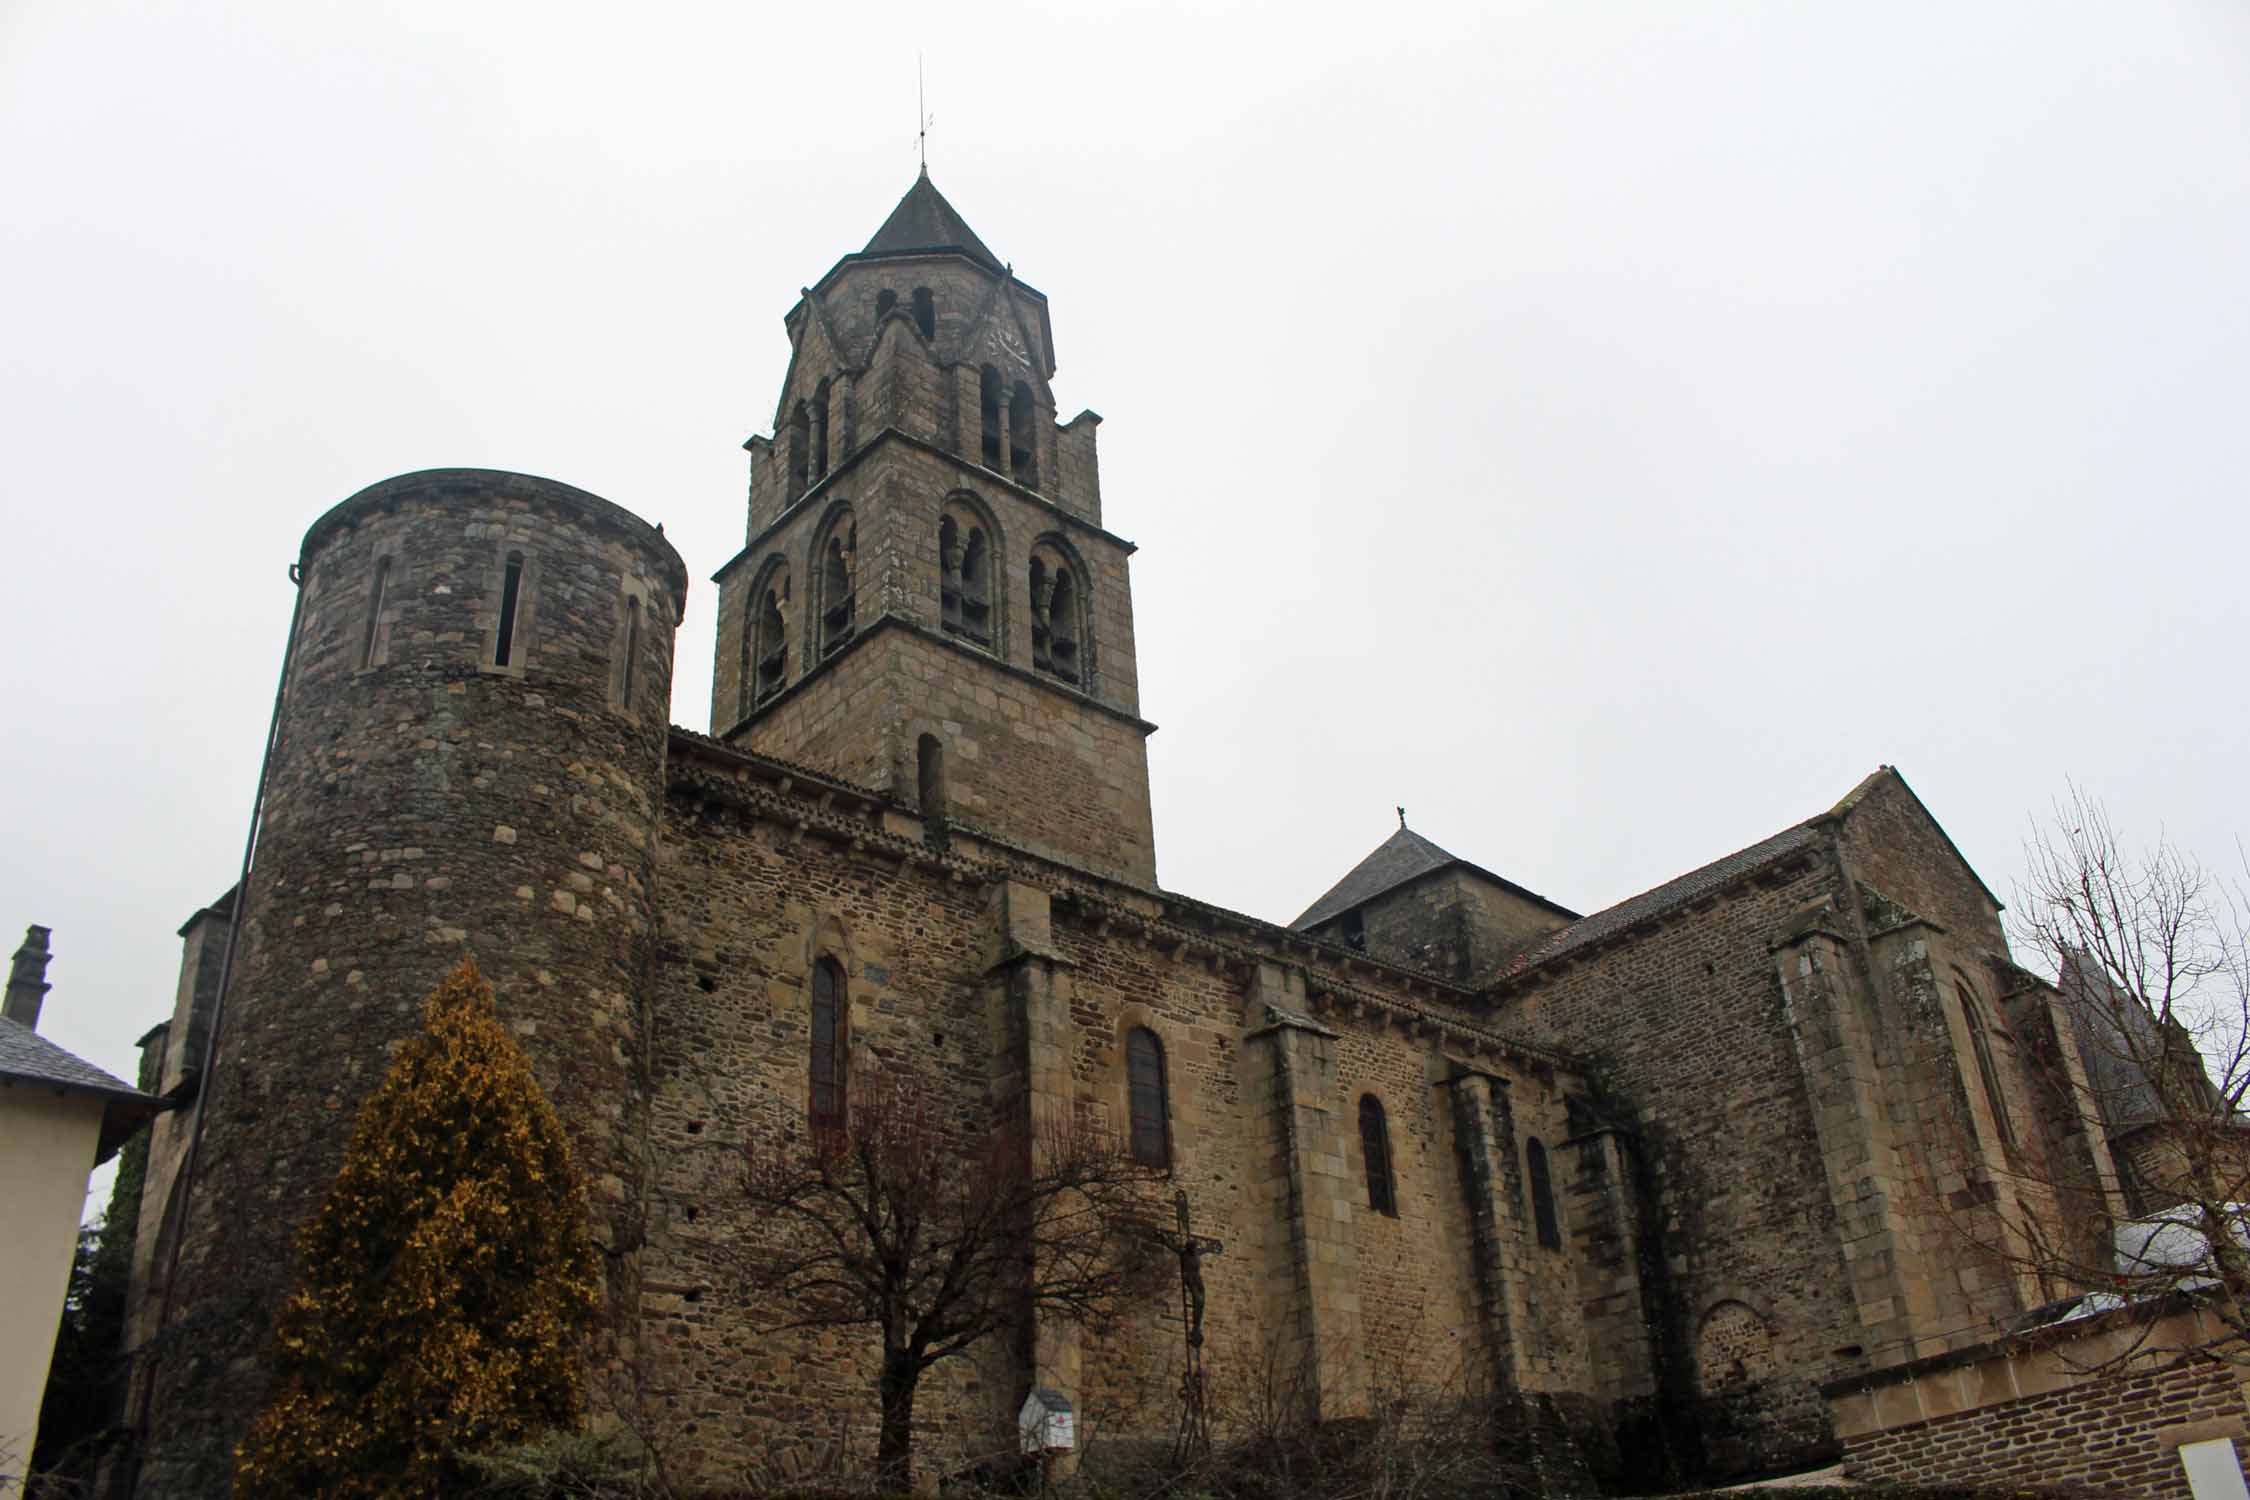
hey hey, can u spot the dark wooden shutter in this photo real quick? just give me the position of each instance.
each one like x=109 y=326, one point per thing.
x=1375 y=1150
x=1144 y=1071
x=1542 y=1195
x=827 y=1045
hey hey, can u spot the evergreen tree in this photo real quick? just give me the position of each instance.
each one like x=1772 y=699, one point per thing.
x=449 y=1276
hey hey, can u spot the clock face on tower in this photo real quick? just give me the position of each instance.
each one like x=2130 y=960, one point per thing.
x=1006 y=340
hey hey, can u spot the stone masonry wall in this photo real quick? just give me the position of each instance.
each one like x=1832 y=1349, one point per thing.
x=1687 y=1023
x=425 y=804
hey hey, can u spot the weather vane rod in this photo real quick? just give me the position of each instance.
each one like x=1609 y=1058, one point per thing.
x=921 y=118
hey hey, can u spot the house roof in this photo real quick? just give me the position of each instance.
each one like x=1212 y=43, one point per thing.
x=924 y=223
x=27 y=1057
x=1398 y=859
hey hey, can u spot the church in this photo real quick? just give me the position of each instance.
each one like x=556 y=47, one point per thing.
x=1652 y=1174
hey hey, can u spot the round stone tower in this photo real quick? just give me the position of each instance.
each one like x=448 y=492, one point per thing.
x=469 y=759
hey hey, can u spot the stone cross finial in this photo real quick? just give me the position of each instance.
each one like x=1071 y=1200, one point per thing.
x=27 y=979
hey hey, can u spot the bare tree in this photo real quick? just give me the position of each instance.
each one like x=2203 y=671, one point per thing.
x=2151 y=953
x=939 y=1234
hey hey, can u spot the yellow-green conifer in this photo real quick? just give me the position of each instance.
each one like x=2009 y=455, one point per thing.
x=449 y=1277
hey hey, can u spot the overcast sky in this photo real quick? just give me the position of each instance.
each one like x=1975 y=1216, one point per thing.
x=1610 y=430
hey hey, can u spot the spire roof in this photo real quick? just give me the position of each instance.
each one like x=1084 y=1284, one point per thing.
x=924 y=223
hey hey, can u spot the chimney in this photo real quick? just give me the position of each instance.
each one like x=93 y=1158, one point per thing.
x=27 y=979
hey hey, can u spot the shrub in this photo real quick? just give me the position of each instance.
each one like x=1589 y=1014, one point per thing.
x=449 y=1276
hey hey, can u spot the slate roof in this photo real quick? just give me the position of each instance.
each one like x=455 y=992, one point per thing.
x=1398 y=859
x=26 y=1056
x=1677 y=892
x=923 y=223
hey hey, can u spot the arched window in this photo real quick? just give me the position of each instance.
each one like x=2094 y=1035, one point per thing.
x=1542 y=1194
x=1375 y=1151
x=1058 y=620
x=828 y=1045
x=820 y=431
x=885 y=300
x=375 y=595
x=1149 y=1105
x=925 y=313
x=768 y=637
x=511 y=595
x=965 y=578
x=839 y=559
x=800 y=448
x=988 y=417
x=1023 y=462
x=1980 y=1043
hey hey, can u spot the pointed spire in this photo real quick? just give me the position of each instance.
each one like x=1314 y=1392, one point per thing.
x=924 y=223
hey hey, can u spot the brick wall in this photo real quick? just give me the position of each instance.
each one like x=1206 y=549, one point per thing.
x=2106 y=1409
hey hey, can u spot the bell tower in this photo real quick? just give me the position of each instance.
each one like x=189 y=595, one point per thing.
x=927 y=602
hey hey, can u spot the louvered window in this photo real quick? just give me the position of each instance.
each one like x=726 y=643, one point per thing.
x=828 y=1045
x=1375 y=1150
x=1151 y=1110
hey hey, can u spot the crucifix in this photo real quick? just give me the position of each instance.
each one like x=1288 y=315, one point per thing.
x=1190 y=1247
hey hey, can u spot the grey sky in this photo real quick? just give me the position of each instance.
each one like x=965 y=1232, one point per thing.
x=1610 y=430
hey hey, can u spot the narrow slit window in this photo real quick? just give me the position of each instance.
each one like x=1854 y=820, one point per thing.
x=375 y=612
x=1023 y=460
x=1972 y=1015
x=885 y=300
x=828 y=1045
x=632 y=647
x=929 y=758
x=820 y=431
x=988 y=412
x=511 y=594
x=1147 y=1103
x=1542 y=1194
x=925 y=312
x=1375 y=1152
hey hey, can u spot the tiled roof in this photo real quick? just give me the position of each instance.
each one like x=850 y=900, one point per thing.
x=1398 y=859
x=1678 y=892
x=26 y=1056
x=925 y=222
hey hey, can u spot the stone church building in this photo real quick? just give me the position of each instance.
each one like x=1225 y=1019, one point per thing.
x=1651 y=1175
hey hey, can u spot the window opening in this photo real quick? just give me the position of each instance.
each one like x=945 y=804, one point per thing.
x=885 y=300
x=800 y=444
x=1354 y=928
x=511 y=591
x=1054 y=619
x=375 y=611
x=632 y=647
x=820 y=431
x=827 y=1045
x=1375 y=1152
x=964 y=587
x=1022 y=461
x=1972 y=1015
x=836 y=616
x=929 y=759
x=925 y=313
x=770 y=658
x=988 y=411
x=1148 y=1105
x=1542 y=1194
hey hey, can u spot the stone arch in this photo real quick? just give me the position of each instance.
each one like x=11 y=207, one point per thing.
x=1062 y=611
x=1733 y=1346
x=972 y=564
x=1378 y=1154
x=833 y=574
x=1182 y=1117
x=765 y=635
